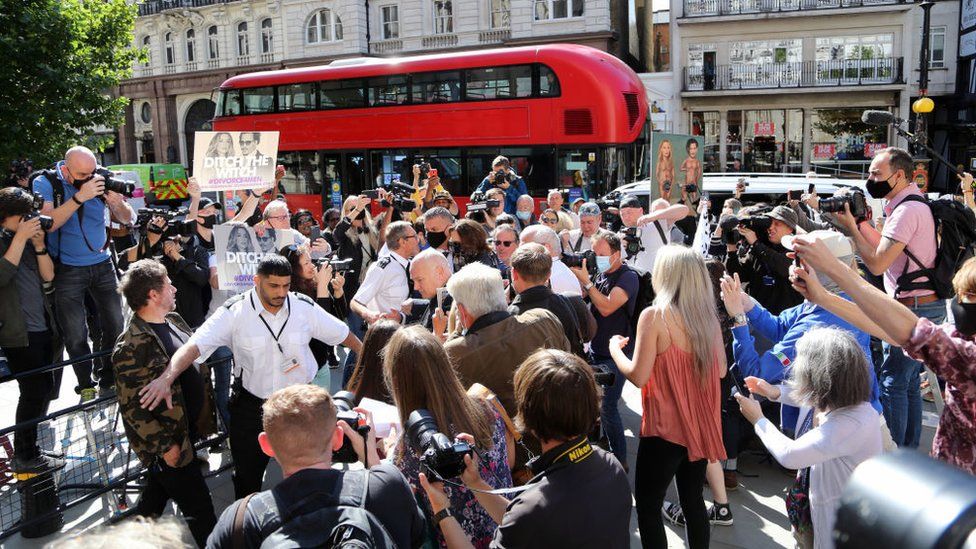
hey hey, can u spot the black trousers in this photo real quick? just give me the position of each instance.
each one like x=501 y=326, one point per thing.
x=659 y=461
x=36 y=391
x=249 y=461
x=185 y=486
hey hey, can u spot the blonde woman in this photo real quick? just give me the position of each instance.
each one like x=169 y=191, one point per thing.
x=664 y=169
x=678 y=361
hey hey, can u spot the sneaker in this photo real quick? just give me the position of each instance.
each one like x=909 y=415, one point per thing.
x=731 y=480
x=40 y=464
x=672 y=511
x=88 y=394
x=720 y=514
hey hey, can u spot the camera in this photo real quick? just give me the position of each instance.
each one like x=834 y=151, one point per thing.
x=576 y=261
x=632 y=241
x=479 y=203
x=338 y=265
x=729 y=224
x=501 y=176
x=398 y=196
x=603 y=376
x=691 y=188
x=855 y=199
x=606 y=216
x=46 y=221
x=437 y=453
x=758 y=224
x=176 y=222
x=344 y=403
x=121 y=186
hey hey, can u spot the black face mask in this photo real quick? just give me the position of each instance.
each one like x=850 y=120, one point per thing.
x=964 y=315
x=208 y=221
x=878 y=189
x=436 y=239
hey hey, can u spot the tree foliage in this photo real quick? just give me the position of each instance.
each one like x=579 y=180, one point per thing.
x=59 y=63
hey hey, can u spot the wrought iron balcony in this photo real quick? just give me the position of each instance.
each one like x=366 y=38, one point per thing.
x=152 y=7
x=804 y=74
x=707 y=8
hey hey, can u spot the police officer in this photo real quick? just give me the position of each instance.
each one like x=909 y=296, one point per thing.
x=387 y=283
x=268 y=330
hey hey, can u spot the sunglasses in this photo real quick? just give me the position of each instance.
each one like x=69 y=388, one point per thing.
x=505 y=243
x=549 y=220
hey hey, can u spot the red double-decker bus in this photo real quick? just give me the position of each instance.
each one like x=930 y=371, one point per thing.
x=564 y=114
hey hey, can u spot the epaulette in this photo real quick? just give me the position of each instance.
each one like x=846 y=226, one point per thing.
x=384 y=261
x=303 y=297
x=233 y=299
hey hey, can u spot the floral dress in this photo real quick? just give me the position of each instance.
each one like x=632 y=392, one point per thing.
x=474 y=520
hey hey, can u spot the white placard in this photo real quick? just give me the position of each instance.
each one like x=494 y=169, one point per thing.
x=234 y=160
x=239 y=250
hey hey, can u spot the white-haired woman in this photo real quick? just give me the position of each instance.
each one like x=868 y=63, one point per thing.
x=678 y=361
x=839 y=427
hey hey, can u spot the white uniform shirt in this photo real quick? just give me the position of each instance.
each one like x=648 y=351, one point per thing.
x=257 y=359
x=562 y=280
x=651 y=241
x=386 y=285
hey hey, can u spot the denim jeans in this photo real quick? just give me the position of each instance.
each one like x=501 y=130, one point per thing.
x=613 y=426
x=70 y=286
x=221 y=361
x=901 y=398
x=355 y=323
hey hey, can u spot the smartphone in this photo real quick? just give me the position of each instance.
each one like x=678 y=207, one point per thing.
x=794 y=195
x=372 y=194
x=431 y=173
x=811 y=188
x=736 y=386
x=316 y=233
x=443 y=298
x=692 y=188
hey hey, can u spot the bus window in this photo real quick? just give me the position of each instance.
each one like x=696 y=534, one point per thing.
x=296 y=97
x=341 y=94
x=499 y=83
x=228 y=103
x=388 y=90
x=258 y=100
x=436 y=87
x=548 y=83
x=302 y=172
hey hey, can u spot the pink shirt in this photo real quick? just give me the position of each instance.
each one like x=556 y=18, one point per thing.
x=912 y=225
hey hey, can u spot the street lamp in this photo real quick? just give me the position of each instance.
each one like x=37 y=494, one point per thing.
x=923 y=105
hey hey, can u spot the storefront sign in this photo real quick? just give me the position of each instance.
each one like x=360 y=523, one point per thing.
x=762 y=129
x=967 y=44
x=871 y=149
x=967 y=17
x=824 y=151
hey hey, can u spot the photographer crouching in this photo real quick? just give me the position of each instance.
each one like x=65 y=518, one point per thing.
x=580 y=495
x=77 y=194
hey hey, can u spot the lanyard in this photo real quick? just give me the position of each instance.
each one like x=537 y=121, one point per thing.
x=268 y=326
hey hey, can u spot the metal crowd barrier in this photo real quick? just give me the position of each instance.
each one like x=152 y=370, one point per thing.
x=99 y=462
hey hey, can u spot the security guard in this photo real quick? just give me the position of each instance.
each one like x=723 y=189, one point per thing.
x=268 y=330
x=387 y=283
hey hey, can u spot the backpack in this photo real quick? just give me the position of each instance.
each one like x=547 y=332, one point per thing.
x=319 y=520
x=644 y=297
x=56 y=184
x=955 y=236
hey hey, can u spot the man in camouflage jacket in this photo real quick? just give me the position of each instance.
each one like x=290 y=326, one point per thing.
x=162 y=438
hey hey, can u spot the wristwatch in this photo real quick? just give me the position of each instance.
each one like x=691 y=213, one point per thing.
x=441 y=515
x=42 y=251
x=76 y=201
x=739 y=320
x=588 y=286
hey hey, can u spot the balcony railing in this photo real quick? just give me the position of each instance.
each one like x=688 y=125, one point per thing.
x=151 y=7
x=804 y=74
x=494 y=36
x=440 y=41
x=705 y=8
x=267 y=58
x=387 y=46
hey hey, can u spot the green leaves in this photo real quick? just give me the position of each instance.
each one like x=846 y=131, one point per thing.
x=60 y=63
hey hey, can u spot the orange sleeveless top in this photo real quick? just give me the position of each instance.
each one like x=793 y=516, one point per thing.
x=679 y=408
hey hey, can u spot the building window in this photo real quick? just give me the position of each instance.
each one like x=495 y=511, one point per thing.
x=324 y=26
x=191 y=47
x=170 y=53
x=764 y=63
x=147 y=45
x=391 y=22
x=500 y=14
x=557 y=9
x=937 y=47
x=443 y=18
x=145 y=113
x=853 y=59
x=213 y=43
x=267 y=36
x=846 y=48
x=243 y=48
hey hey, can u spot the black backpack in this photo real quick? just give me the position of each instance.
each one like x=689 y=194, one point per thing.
x=319 y=520
x=645 y=294
x=955 y=236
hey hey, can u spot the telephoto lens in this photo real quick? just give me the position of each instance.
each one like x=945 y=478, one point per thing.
x=344 y=403
x=437 y=453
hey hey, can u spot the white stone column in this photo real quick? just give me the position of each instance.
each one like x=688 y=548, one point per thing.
x=807 y=138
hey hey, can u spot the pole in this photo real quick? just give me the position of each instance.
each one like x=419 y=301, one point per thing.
x=921 y=121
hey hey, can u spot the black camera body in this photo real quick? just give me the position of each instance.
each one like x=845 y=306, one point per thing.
x=338 y=265
x=479 y=203
x=576 y=261
x=344 y=403
x=398 y=196
x=855 y=199
x=112 y=183
x=46 y=221
x=437 y=453
x=176 y=222
x=632 y=241
x=758 y=224
x=606 y=216
x=501 y=176
x=729 y=233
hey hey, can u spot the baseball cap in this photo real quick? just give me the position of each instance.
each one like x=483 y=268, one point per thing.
x=207 y=202
x=838 y=244
x=589 y=209
x=784 y=214
x=442 y=195
x=630 y=201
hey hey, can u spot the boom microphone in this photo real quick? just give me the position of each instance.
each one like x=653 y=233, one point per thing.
x=879 y=118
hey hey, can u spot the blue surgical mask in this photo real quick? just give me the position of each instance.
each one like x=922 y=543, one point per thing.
x=524 y=216
x=602 y=263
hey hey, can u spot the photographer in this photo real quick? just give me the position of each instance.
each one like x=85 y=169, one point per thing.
x=489 y=216
x=322 y=284
x=206 y=221
x=300 y=431
x=760 y=258
x=612 y=300
x=76 y=198
x=27 y=327
x=562 y=279
x=420 y=376
x=651 y=231
x=577 y=241
x=579 y=497
x=504 y=177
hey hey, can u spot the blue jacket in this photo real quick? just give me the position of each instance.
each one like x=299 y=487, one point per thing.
x=784 y=331
x=512 y=194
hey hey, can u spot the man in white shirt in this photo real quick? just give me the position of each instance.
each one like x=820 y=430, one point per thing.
x=577 y=241
x=268 y=330
x=387 y=282
x=653 y=229
x=562 y=280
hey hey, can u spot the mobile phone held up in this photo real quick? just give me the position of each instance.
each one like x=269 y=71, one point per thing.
x=431 y=173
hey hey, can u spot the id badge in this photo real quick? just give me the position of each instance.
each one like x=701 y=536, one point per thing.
x=289 y=364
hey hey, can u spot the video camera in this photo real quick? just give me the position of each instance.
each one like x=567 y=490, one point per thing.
x=758 y=223
x=338 y=265
x=606 y=216
x=479 y=204
x=437 y=453
x=344 y=403
x=632 y=241
x=121 y=186
x=37 y=205
x=855 y=199
x=400 y=194
x=576 y=261
x=176 y=222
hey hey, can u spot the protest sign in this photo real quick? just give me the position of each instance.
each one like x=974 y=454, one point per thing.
x=234 y=160
x=239 y=250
